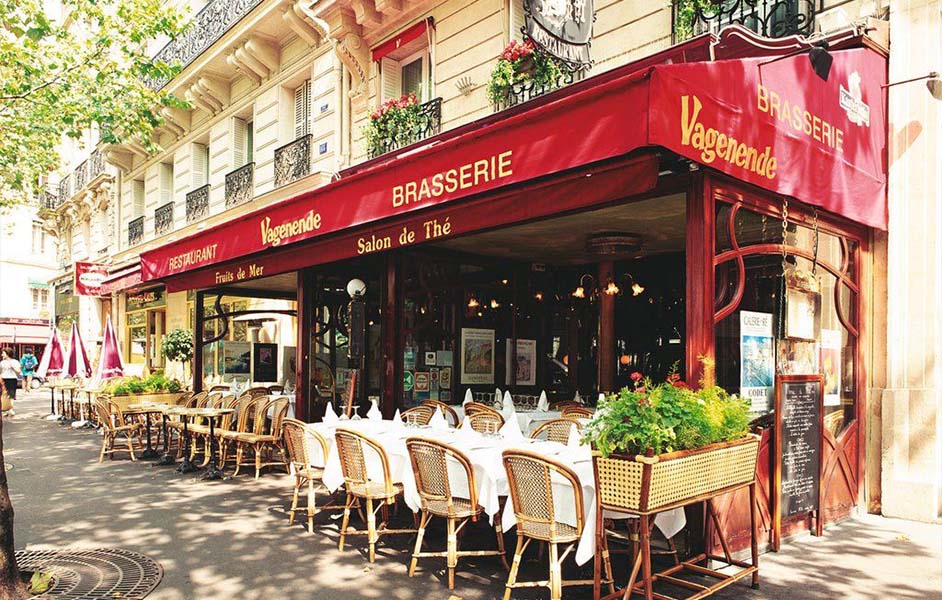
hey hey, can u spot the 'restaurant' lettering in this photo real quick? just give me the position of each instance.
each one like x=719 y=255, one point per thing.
x=275 y=235
x=466 y=176
x=712 y=144
x=193 y=257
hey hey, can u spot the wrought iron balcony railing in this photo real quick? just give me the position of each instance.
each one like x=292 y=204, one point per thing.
x=47 y=200
x=79 y=177
x=240 y=185
x=136 y=231
x=293 y=161
x=210 y=24
x=528 y=90
x=197 y=204
x=769 y=18
x=429 y=123
x=64 y=190
x=163 y=219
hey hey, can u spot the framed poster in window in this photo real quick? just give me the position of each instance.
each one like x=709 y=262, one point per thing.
x=265 y=362
x=477 y=356
x=802 y=314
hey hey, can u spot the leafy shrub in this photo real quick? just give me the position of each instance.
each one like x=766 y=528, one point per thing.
x=156 y=383
x=522 y=63
x=177 y=345
x=396 y=123
x=666 y=417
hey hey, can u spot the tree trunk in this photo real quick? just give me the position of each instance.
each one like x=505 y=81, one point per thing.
x=12 y=586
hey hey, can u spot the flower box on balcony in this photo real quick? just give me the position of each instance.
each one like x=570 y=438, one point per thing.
x=523 y=72
x=400 y=122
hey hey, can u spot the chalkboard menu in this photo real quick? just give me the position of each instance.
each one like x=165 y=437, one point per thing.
x=798 y=424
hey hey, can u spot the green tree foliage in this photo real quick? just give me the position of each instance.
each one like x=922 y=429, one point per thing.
x=65 y=67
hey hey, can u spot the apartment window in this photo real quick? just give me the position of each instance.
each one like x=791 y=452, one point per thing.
x=166 y=182
x=40 y=299
x=137 y=197
x=406 y=65
x=243 y=142
x=39 y=239
x=200 y=168
x=302 y=110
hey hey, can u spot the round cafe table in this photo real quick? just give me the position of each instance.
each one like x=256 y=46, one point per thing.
x=211 y=414
x=147 y=409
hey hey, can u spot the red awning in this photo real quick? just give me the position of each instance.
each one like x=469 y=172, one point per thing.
x=412 y=33
x=777 y=126
x=18 y=333
x=122 y=279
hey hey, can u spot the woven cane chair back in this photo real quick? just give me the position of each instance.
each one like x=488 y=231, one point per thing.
x=279 y=410
x=420 y=415
x=182 y=400
x=276 y=389
x=530 y=478
x=578 y=412
x=246 y=414
x=257 y=391
x=430 y=460
x=220 y=388
x=473 y=408
x=556 y=430
x=225 y=421
x=109 y=413
x=351 y=446
x=207 y=400
x=259 y=415
x=484 y=422
x=448 y=412
x=194 y=400
x=563 y=404
x=306 y=447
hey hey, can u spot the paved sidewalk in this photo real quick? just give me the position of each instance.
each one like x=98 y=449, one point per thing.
x=231 y=539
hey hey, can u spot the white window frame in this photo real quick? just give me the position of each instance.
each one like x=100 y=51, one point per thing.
x=425 y=56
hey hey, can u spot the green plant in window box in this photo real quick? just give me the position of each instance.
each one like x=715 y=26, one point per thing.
x=396 y=123
x=686 y=14
x=522 y=64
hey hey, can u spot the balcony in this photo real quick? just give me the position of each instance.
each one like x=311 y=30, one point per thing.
x=528 y=90
x=240 y=185
x=64 y=190
x=210 y=24
x=47 y=200
x=769 y=18
x=292 y=161
x=163 y=219
x=429 y=123
x=136 y=231
x=197 y=204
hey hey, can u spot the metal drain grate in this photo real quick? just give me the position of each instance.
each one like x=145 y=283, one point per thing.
x=94 y=574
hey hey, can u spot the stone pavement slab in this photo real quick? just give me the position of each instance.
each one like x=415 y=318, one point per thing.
x=231 y=539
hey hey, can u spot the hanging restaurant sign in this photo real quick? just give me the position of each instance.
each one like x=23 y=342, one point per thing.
x=89 y=277
x=563 y=28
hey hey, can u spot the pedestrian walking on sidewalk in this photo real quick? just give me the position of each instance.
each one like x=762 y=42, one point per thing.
x=9 y=371
x=28 y=364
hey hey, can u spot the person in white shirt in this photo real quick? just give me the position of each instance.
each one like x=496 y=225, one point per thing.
x=9 y=372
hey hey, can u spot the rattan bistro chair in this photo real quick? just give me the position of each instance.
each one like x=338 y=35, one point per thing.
x=486 y=422
x=578 y=412
x=448 y=412
x=307 y=454
x=112 y=425
x=420 y=415
x=473 y=408
x=430 y=461
x=175 y=423
x=360 y=487
x=556 y=430
x=261 y=442
x=199 y=430
x=530 y=478
x=242 y=422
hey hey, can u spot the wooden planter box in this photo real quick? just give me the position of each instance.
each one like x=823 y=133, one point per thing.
x=123 y=401
x=643 y=485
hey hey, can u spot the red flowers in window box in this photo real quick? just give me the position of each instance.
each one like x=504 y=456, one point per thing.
x=394 y=104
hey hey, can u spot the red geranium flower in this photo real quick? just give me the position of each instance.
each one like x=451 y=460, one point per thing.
x=636 y=376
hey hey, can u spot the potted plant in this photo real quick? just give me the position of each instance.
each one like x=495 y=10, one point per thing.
x=133 y=390
x=396 y=123
x=659 y=444
x=177 y=347
x=522 y=70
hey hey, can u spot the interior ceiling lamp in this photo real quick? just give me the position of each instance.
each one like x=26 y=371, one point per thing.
x=356 y=288
x=473 y=302
x=818 y=54
x=580 y=291
x=933 y=83
x=627 y=245
x=612 y=288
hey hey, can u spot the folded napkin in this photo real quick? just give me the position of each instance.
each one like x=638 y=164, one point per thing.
x=329 y=415
x=397 y=421
x=511 y=430
x=508 y=410
x=544 y=402
x=374 y=413
x=578 y=398
x=601 y=399
x=574 y=441
x=498 y=395
x=576 y=450
x=468 y=397
x=466 y=425
x=438 y=422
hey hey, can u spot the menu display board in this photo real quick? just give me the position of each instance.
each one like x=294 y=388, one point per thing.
x=799 y=413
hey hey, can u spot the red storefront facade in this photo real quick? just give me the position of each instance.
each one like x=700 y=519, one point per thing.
x=757 y=157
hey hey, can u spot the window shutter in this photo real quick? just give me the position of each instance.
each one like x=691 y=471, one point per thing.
x=166 y=182
x=137 y=193
x=517 y=20
x=238 y=143
x=302 y=110
x=200 y=158
x=392 y=79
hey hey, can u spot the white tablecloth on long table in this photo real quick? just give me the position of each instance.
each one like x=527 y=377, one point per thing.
x=485 y=454
x=528 y=419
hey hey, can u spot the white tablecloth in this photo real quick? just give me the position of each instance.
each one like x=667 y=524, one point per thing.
x=485 y=455
x=528 y=419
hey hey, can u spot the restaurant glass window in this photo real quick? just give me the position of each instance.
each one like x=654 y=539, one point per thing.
x=751 y=346
x=145 y=326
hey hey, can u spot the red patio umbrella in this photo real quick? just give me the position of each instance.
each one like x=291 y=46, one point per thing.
x=110 y=361
x=76 y=361
x=53 y=357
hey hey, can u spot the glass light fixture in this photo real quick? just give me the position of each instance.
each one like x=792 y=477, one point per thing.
x=473 y=302
x=637 y=289
x=580 y=291
x=611 y=288
x=495 y=304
